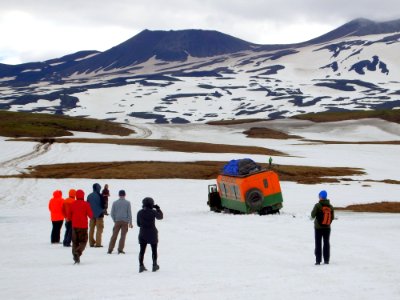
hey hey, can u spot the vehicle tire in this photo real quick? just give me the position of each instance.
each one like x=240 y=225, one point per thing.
x=265 y=210
x=254 y=199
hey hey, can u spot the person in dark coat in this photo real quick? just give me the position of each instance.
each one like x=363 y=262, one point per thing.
x=148 y=233
x=323 y=213
x=105 y=193
x=97 y=222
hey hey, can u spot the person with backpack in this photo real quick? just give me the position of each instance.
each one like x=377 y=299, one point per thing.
x=323 y=214
x=148 y=233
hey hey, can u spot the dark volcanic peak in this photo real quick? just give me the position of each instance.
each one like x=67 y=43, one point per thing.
x=358 y=27
x=165 y=45
x=366 y=27
x=174 y=45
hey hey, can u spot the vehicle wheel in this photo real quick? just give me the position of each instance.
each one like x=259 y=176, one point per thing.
x=254 y=199
x=265 y=211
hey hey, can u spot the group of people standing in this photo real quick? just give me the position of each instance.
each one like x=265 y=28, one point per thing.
x=76 y=212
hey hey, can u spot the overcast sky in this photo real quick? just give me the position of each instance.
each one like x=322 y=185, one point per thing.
x=34 y=30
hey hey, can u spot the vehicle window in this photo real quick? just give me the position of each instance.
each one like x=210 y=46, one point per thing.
x=265 y=181
x=222 y=189
x=235 y=191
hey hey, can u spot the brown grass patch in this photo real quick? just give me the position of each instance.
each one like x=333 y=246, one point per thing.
x=235 y=122
x=356 y=143
x=388 y=181
x=183 y=170
x=377 y=207
x=388 y=115
x=23 y=124
x=314 y=175
x=172 y=145
x=267 y=133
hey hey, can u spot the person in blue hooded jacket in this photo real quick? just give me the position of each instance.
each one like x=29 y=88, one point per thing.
x=97 y=222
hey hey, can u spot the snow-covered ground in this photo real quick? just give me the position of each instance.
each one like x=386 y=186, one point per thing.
x=204 y=255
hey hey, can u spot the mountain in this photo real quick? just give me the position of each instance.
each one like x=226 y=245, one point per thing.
x=200 y=75
x=36 y=71
x=358 y=27
x=165 y=46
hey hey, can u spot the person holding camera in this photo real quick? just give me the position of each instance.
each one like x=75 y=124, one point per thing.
x=148 y=233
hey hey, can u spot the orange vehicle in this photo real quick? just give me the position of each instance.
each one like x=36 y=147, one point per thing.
x=256 y=192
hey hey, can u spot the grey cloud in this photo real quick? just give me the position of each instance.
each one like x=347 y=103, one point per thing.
x=174 y=12
x=249 y=20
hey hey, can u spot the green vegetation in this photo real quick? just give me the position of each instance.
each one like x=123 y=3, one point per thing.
x=22 y=124
x=388 y=115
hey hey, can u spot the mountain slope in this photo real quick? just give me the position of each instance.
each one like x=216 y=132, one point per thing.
x=199 y=76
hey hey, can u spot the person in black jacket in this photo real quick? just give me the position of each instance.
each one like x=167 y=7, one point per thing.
x=323 y=214
x=148 y=233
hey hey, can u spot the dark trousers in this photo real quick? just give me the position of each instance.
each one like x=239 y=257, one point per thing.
x=322 y=234
x=68 y=234
x=56 y=231
x=118 y=226
x=143 y=250
x=79 y=241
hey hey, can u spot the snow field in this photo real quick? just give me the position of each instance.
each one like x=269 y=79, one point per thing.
x=205 y=255
x=202 y=255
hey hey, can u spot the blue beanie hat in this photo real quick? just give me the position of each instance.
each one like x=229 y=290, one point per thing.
x=323 y=194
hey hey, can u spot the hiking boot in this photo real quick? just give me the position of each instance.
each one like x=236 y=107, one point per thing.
x=156 y=268
x=326 y=262
x=109 y=251
x=99 y=246
x=142 y=268
x=121 y=252
x=76 y=259
x=317 y=263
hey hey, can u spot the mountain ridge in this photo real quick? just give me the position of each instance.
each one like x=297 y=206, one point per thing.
x=196 y=75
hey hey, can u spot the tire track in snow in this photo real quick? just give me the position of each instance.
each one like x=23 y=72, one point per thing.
x=142 y=132
x=38 y=150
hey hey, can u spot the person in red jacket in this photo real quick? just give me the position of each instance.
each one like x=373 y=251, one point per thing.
x=68 y=224
x=56 y=215
x=79 y=213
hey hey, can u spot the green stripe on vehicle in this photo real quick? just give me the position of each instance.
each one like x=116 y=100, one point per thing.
x=274 y=200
